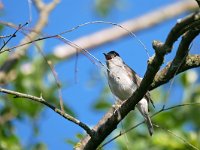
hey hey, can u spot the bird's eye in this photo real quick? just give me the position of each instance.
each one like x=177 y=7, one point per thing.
x=108 y=57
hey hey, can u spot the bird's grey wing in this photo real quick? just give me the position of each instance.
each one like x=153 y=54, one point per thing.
x=138 y=80
x=132 y=74
x=147 y=95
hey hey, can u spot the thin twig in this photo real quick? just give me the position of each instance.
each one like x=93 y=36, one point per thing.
x=58 y=84
x=30 y=10
x=61 y=38
x=30 y=42
x=177 y=136
x=43 y=101
x=82 y=49
x=76 y=68
x=40 y=24
x=131 y=33
x=5 y=36
x=134 y=25
x=49 y=63
x=13 y=35
x=155 y=114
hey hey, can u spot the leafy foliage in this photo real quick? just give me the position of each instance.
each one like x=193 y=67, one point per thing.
x=32 y=76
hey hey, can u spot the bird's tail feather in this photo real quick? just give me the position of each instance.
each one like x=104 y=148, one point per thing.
x=149 y=124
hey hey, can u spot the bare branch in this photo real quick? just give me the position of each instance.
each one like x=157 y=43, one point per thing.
x=109 y=122
x=109 y=23
x=42 y=21
x=181 y=27
x=192 y=61
x=177 y=136
x=13 y=35
x=163 y=109
x=181 y=61
x=28 y=43
x=131 y=25
x=5 y=36
x=39 y=4
x=46 y=60
x=43 y=101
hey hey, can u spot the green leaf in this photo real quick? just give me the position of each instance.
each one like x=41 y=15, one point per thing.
x=101 y=104
x=40 y=146
x=103 y=7
x=79 y=136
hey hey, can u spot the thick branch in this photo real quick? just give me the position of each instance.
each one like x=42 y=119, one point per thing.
x=181 y=61
x=155 y=114
x=192 y=61
x=110 y=121
x=43 y=101
x=181 y=27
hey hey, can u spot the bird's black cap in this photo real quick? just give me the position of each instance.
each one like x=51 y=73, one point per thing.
x=111 y=55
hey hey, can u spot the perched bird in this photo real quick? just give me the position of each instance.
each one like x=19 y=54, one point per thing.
x=123 y=81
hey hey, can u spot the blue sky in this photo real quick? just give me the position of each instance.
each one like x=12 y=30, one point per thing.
x=69 y=13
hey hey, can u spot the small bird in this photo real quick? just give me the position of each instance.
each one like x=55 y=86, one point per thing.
x=123 y=81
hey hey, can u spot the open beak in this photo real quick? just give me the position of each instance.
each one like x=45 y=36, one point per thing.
x=106 y=56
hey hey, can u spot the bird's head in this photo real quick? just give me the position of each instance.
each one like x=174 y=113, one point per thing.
x=110 y=55
x=113 y=58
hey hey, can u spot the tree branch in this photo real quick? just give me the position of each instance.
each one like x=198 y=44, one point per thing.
x=42 y=21
x=192 y=61
x=110 y=121
x=133 y=25
x=181 y=61
x=44 y=102
x=181 y=27
x=13 y=35
x=155 y=114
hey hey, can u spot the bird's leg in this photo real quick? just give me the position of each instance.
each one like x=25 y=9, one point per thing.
x=115 y=108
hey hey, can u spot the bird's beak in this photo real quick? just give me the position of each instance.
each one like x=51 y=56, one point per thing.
x=106 y=56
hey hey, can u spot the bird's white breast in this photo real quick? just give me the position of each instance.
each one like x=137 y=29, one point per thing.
x=120 y=83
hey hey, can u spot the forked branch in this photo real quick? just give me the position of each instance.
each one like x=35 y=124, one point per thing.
x=46 y=103
x=110 y=121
